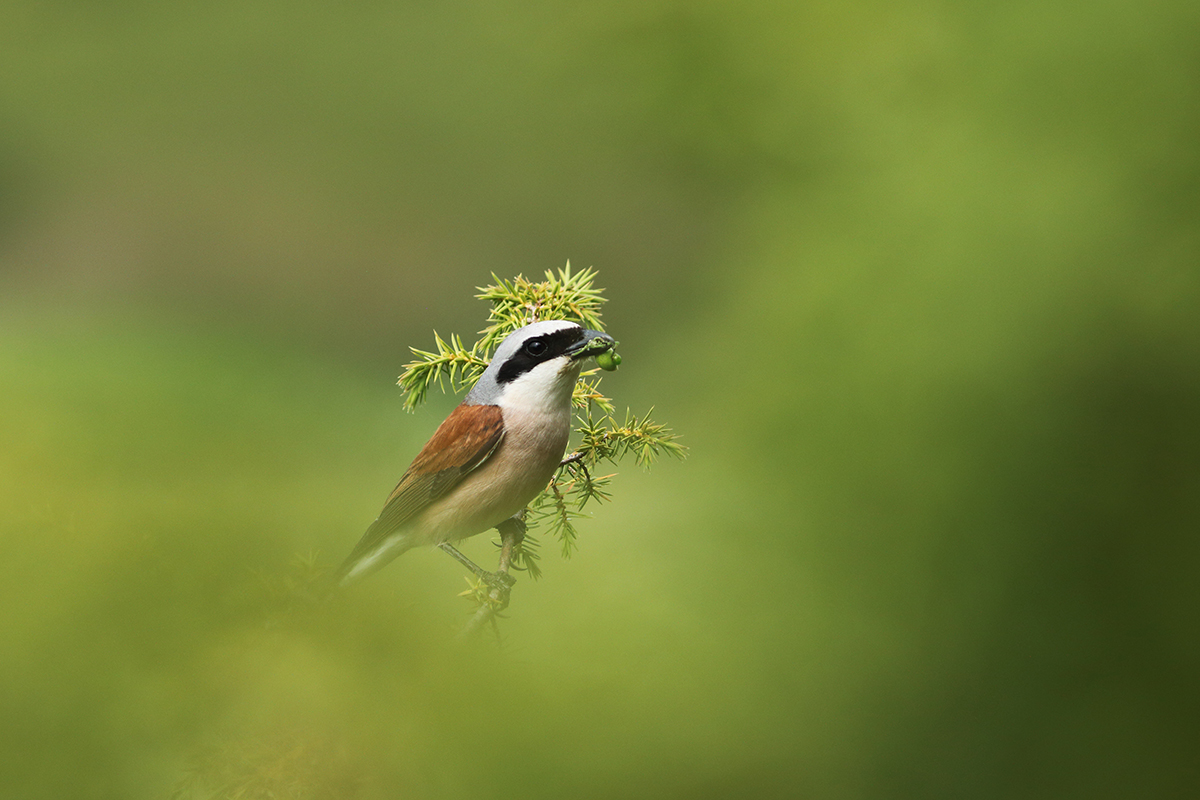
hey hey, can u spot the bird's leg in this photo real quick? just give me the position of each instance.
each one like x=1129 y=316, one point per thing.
x=512 y=533
x=497 y=581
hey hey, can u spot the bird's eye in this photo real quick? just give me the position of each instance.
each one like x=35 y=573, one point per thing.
x=535 y=347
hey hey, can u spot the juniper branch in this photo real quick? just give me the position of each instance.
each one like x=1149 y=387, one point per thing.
x=452 y=361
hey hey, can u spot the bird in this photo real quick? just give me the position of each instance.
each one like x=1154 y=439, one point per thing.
x=493 y=454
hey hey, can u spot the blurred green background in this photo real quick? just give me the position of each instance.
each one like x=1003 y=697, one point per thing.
x=918 y=283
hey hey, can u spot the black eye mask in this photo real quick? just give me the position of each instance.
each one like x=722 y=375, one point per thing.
x=552 y=345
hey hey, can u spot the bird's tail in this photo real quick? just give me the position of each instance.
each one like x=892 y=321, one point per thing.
x=364 y=561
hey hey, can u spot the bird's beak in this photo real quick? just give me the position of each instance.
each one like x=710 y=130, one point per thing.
x=592 y=343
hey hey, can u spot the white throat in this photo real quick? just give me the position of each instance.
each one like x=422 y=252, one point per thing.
x=545 y=389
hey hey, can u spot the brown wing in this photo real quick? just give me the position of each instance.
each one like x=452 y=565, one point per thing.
x=460 y=444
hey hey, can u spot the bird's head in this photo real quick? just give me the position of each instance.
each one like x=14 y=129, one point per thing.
x=537 y=365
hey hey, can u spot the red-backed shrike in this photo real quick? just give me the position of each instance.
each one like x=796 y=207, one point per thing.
x=493 y=454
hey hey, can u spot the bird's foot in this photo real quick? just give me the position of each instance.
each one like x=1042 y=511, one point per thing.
x=499 y=584
x=498 y=581
x=490 y=590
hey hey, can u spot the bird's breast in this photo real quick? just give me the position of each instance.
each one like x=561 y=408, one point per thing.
x=509 y=480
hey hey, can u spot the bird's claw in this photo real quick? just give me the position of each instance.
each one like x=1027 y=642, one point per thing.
x=500 y=581
x=491 y=589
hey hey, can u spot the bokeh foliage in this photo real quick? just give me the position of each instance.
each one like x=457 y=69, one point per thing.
x=918 y=281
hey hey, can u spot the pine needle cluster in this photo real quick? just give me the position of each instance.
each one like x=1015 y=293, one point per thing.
x=601 y=438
